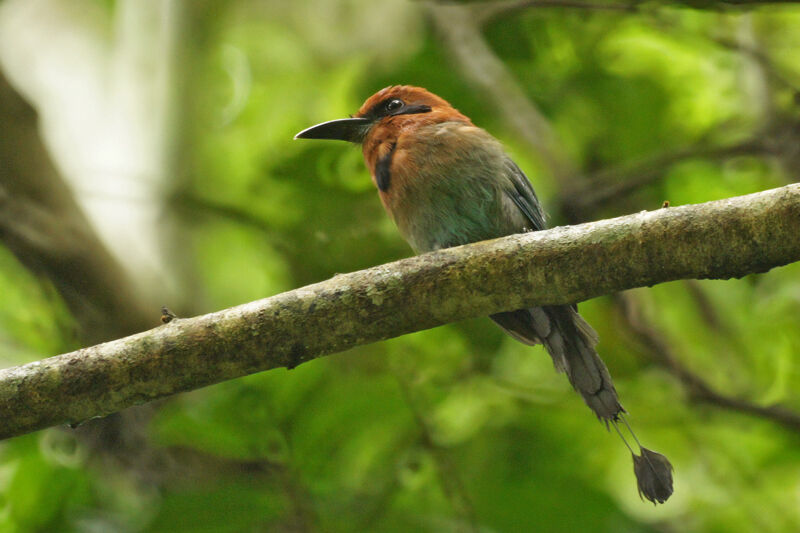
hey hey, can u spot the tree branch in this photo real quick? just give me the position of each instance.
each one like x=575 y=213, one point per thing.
x=460 y=33
x=615 y=182
x=486 y=11
x=723 y=4
x=722 y=239
x=760 y=56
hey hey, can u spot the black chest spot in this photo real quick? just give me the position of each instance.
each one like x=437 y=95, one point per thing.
x=383 y=176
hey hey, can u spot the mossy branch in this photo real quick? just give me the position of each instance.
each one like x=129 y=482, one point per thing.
x=723 y=239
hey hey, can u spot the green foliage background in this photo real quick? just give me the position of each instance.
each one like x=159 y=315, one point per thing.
x=458 y=428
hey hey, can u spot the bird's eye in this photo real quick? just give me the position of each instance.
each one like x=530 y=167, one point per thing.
x=391 y=105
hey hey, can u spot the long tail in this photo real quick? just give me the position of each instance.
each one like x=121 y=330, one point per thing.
x=571 y=342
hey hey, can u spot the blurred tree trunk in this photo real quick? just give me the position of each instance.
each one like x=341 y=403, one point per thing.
x=42 y=224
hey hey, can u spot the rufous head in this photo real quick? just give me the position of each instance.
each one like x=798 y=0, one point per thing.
x=394 y=108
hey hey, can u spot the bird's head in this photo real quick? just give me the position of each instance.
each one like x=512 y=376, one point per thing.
x=389 y=111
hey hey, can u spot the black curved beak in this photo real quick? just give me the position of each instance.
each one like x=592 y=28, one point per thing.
x=343 y=129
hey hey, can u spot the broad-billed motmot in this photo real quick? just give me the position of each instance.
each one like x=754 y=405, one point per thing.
x=446 y=182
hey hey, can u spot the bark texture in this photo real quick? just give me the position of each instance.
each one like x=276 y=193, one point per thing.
x=720 y=240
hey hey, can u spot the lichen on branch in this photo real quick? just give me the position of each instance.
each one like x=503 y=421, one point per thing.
x=720 y=240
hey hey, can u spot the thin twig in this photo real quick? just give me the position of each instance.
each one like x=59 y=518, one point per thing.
x=486 y=11
x=617 y=182
x=451 y=483
x=706 y=307
x=698 y=388
x=461 y=35
x=762 y=58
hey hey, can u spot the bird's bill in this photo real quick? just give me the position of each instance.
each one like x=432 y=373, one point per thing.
x=343 y=129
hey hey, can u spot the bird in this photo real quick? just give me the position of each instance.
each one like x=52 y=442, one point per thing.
x=446 y=182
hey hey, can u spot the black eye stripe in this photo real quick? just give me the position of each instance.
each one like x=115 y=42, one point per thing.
x=412 y=110
x=395 y=106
